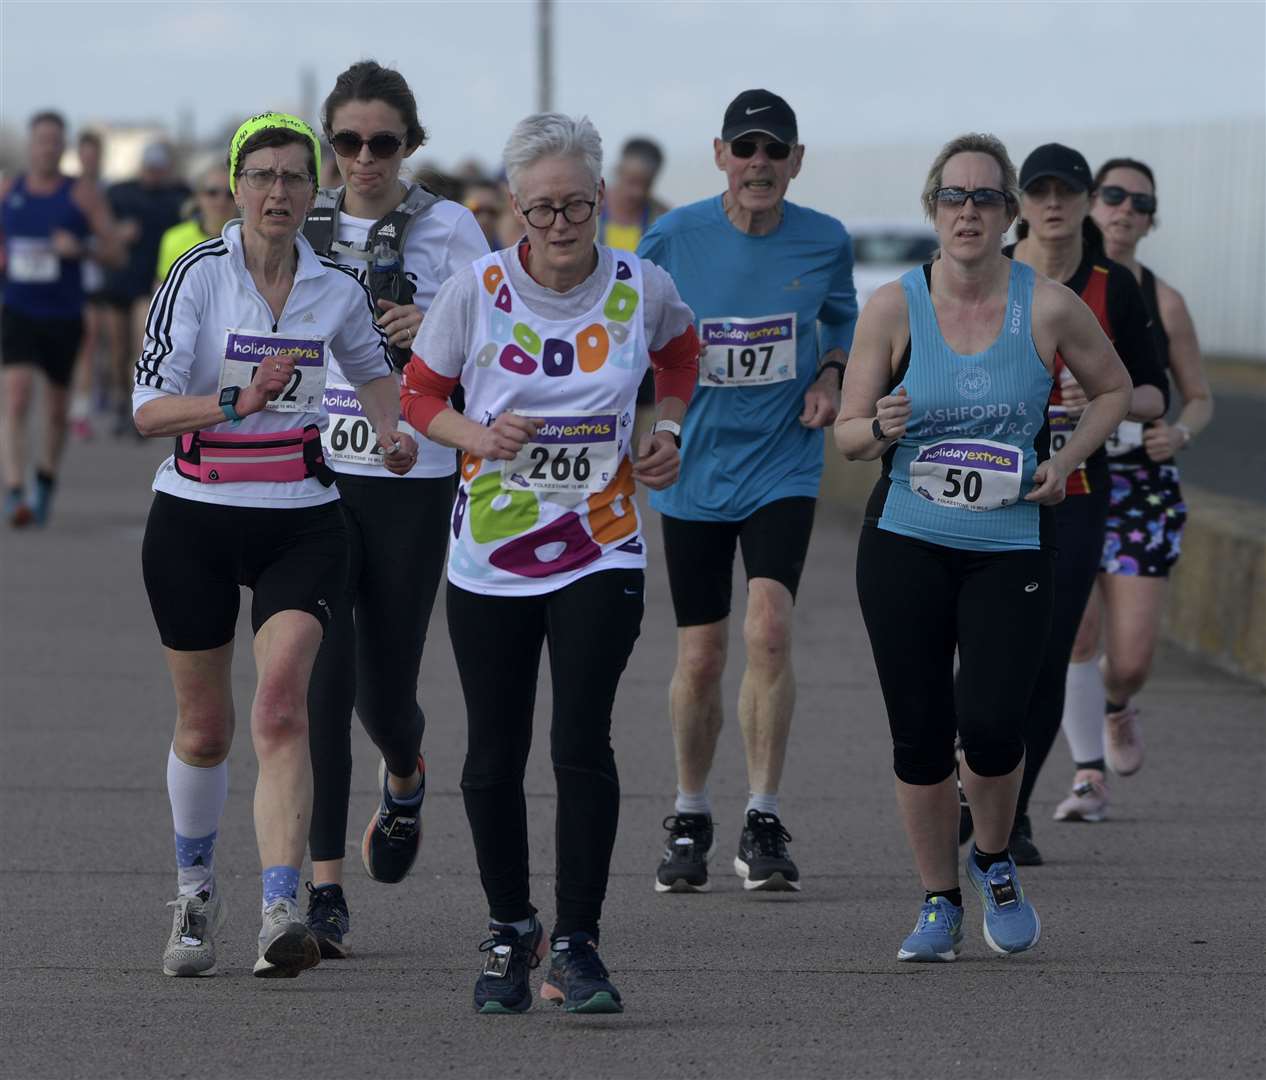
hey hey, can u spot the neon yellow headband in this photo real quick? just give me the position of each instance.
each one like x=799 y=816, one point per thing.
x=263 y=122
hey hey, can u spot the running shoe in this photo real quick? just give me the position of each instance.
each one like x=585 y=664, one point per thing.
x=190 y=949
x=502 y=986
x=16 y=512
x=1011 y=923
x=286 y=945
x=329 y=920
x=81 y=429
x=42 y=499
x=938 y=935
x=966 y=826
x=394 y=834
x=1123 y=741
x=1088 y=801
x=1023 y=851
x=690 y=845
x=578 y=980
x=762 y=860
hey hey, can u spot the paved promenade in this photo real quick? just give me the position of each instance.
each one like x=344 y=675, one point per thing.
x=1150 y=963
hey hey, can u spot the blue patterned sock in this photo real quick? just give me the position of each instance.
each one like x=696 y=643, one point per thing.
x=195 y=864
x=279 y=882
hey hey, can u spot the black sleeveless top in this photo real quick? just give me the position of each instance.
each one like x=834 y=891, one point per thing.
x=1148 y=285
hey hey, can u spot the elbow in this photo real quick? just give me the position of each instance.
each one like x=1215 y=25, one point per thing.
x=142 y=420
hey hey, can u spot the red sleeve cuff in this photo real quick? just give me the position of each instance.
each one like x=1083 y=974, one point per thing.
x=676 y=366
x=424 y=394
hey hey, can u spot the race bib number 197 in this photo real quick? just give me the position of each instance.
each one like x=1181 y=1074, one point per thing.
x=748 y=352
x=968 y=474
x=576 y=455
x=245 y=351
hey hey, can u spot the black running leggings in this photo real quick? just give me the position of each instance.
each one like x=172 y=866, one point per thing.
x=397 y=534
x=921 y=602
x=590 y=627
x=1080 y=521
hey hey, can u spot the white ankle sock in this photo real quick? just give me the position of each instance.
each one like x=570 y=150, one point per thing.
x=766 y=804
x=1083 y=710
x=197 y=801
x=693 y=802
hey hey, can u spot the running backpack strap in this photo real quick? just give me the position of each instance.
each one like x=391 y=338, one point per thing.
x=394 y=227
x=321 y=227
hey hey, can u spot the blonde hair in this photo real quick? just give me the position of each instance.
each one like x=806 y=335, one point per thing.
x=971 y=143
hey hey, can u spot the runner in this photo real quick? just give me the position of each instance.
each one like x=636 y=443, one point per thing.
x=1145 y=519
x=550 y=339
x=629 y=209
x=84 y=386
x=49 y=222
x=234 y=367
x=949 y=381
x=213 y=209
x=403 y=242
x=772 y=285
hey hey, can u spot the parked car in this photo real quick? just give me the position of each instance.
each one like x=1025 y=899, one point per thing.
x=884 y=250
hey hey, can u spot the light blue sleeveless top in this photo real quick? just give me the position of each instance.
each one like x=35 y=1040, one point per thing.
x=977 y=431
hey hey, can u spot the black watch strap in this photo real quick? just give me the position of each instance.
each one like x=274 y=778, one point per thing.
x=876 y=430
x=831 y=364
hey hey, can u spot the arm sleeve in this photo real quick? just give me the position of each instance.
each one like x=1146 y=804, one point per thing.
x=171 y=335
x=676 y=366
x=424 y=393
x=837 y=318
x=360 y=344
x=1132 y=331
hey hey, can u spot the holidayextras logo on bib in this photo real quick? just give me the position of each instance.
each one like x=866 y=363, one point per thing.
x=972 y=455
x=252 y=348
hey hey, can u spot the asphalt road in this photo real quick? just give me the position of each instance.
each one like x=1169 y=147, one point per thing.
x=1150 y=963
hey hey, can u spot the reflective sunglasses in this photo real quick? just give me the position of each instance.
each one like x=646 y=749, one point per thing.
x=264 y=179
x=1115 y=196
x=383 y=145
x=980 y=197
x=542 y=216
x=746 y=148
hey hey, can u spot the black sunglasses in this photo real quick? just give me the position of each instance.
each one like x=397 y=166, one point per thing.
x=746 y=148
x=347 y=144
x=981 y=196
x=1115 y=196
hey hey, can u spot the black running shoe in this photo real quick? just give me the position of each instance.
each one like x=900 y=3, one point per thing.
x=690 y=845
x=502 y=986
x=1023 y=851
x=965 y=824
x=762 y=860
x=393 y=836
x=578 y=980
x=329 y=921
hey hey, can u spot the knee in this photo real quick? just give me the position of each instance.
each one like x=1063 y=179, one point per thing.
x=202 y=737
x=767 y=634
x=701 y=660
x=279 y=718
x=993 y=752
x=1128 y=673
x=923 y=763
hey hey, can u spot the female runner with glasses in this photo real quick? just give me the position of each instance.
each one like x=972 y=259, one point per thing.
x=1146 y=515
x=550 y=340
x=948 y=381
x=403 y=242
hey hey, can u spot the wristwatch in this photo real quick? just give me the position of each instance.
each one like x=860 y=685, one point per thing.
x=672 y=427
x=877 y=431
x=228 y=402
x=1185 y=432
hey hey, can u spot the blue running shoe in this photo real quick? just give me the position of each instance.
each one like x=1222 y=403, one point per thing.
x=42 y=497
x=1011 y=924
x=938 y=935
x=503 y=985
x=578 y=980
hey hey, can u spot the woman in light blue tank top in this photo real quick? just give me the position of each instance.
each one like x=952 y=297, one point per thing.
x=948 y=382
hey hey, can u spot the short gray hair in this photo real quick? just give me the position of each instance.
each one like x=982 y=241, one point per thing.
x=544 y=135
x=972 y=143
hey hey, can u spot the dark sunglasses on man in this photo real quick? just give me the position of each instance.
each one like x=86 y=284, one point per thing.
x=980 y=197
x=1141 y=202
x=746 y=148
x=347 y=144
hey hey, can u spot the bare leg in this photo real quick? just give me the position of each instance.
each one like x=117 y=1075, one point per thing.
x=767 y=695
x=56 y=414
x=19 y=386
x=929 y=813
x=204 y=704
x=694 y=701
x=1133 y=613
x=992 y=800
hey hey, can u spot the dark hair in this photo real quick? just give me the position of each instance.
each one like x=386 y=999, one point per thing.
x=1091 y=234
x=93 y=137
x=47 y=116
x=368 y=80
x=1126 y=163
x=272 y=137
x=646 y=149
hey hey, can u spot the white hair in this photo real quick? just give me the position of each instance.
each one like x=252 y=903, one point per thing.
x=545 y=135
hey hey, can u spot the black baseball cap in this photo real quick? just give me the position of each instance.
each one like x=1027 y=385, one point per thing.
x=1061 y=162
x=759 y=111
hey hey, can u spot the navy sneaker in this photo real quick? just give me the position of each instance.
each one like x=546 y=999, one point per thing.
x=690 y=845
x=502 y=986
x=394 y=834
x=762 y=860
x=42 y=497
x=1023 y=851
x=329 y=920
x=577 y=979
x=938 y=935
x=1011 y=924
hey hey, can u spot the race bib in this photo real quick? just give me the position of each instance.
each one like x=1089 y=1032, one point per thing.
x=245 y=350
x=350 y=437
x=968 y=474
x=1128 y=436
x=32 y=261
x=570 y=455
x=748 y=352
x=1062 y=426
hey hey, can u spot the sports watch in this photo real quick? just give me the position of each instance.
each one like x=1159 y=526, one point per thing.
x=875 y=428
x=228 y=402
x=671 y=426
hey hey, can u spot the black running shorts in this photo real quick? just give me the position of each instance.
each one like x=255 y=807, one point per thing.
x=196 y=556
x=48 y=344
x=700 y=556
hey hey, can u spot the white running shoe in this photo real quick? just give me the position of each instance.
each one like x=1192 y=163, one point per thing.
x=286 y=945
x=1123 y=741
x=1088 y=801
x=190 y=950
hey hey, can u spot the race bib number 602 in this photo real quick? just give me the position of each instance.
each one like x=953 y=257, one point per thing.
x=748 y=352
x=244 y=351
x=968 y=474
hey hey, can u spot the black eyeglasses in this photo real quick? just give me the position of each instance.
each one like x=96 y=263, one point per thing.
x=542 y=216
x=1115 y=196
x=746 y=148
x=264 y=179
x=980 y=197
x=382 y=145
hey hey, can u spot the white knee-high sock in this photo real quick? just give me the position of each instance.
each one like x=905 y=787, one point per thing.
x=197 y=801
x=1083 y=711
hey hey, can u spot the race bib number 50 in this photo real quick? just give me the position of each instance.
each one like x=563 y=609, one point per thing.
x=244 y=351
x=974 y=474
x=576 y=454
x=748 y=352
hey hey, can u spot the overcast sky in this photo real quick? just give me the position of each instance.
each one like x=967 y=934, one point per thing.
x=855 y=73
